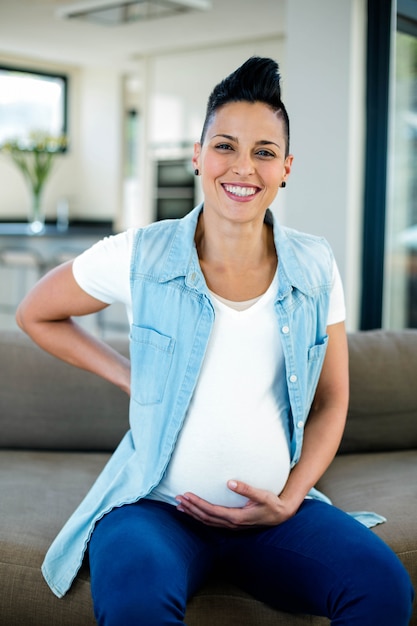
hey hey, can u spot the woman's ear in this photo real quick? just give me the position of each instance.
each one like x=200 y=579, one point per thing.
x=196 y=156
x=287 y=166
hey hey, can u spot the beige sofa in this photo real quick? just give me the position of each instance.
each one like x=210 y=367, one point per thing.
x=59 y=425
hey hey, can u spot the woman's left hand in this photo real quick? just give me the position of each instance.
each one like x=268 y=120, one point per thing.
x=263 y=508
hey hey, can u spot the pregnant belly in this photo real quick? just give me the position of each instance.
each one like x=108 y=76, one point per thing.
x=204 y=465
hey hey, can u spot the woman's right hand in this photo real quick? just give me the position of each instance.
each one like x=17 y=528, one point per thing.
x=46 y=315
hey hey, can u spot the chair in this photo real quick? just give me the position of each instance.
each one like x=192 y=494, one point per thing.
x=20 y=268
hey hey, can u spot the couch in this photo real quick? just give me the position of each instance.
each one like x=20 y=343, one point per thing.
x=59 y=425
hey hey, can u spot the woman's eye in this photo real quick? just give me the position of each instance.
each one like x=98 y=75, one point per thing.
x=224 y=146
x=265 y=153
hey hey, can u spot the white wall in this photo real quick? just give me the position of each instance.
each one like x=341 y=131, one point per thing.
x=325 y=75
x=184 y=81
x=99 y=149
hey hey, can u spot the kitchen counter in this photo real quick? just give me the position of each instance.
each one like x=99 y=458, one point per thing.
x=21 y=229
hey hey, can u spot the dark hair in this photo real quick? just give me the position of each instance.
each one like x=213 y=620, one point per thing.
x=257 y=80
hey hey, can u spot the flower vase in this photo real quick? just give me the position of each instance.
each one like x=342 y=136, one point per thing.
x=37 y=214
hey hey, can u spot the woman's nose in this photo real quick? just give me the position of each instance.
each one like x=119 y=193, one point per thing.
x=243 y=164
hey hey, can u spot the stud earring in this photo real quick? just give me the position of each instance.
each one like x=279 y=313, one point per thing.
x=196 y=172
x=283 y=184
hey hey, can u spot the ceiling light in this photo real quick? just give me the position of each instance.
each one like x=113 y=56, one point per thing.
x=113 y=12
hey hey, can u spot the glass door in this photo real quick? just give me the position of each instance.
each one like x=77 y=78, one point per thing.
x=400 y=260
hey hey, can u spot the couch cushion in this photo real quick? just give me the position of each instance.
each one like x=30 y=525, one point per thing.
x=47 y=404
x=38 y=492
x=222 y=604
x=383 y=391
x=386 y=483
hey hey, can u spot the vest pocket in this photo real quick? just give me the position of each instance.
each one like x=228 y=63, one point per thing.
x=316 y=356
x=318 y=351
x=151 y=357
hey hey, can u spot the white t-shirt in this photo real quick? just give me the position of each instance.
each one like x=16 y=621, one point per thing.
x=236 y=426
x=103 y=271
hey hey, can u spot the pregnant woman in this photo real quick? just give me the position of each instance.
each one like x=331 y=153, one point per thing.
x=238 y=379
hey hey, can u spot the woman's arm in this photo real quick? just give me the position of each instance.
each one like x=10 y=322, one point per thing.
x=46 y=314
x=323 y=432
x=326 y=422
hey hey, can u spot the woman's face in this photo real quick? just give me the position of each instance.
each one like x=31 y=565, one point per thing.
x=242 y=161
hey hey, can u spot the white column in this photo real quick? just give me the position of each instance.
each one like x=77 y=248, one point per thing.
x=324 y=93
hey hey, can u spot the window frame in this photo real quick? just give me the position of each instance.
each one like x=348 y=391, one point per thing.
x=379 y=32
x=47 y=74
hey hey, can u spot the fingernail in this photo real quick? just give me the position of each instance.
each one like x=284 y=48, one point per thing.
x=232 y=484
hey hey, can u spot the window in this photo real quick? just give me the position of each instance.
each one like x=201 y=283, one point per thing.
x=389 y=260
x=400 y=267
x=31 y=102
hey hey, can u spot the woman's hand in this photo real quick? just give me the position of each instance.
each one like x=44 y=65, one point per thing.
x=263 y=508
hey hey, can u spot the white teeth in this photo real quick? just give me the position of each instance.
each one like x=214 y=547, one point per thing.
x=240 y=191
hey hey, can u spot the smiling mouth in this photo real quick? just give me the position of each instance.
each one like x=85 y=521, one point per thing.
x=240 y=192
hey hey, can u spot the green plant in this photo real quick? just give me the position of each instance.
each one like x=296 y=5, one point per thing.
x=35 y=157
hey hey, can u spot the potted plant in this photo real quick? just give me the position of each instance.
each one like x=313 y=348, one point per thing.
x=35 y=159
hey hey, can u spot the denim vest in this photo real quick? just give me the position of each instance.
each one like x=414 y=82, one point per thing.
x=172 y=320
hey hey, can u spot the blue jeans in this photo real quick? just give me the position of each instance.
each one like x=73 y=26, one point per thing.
x=147 y=559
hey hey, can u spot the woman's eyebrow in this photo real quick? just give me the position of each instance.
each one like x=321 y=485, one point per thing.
x=261 y=142
x=266 y=142
x=230 y=137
